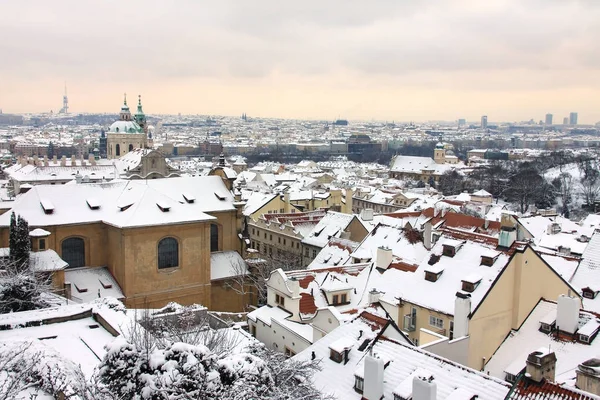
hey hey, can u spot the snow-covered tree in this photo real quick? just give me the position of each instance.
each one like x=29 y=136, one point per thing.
x=21 y=289
x=19 y=242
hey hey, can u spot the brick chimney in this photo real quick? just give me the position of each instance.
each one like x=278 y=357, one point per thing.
x=540 y=365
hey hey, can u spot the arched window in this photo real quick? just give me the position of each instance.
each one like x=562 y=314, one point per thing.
x=118 y=149
x=168 y=253
x=130 y=147
x=214 y=237
x=73 y=252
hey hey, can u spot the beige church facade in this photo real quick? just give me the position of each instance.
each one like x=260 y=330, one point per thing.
x=156 y=238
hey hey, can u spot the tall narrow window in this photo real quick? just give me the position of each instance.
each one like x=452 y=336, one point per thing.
x=73 y=252
x=118 y=150
x=214 y=237
x=130 y=147
x=168 y=253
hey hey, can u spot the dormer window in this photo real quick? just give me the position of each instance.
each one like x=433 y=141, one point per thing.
x=340 y=349
x=189 y=198
x=359 y=384
x=164 y=207
x=432 y=274
x=546 y=327
x=47 y=206
x=337 y=299
x=584 y=338
x=488 y=261
x=449 y=251
x=589 y=293
x=432 y=277
x=335 y=356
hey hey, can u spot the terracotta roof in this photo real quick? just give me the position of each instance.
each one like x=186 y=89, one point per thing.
x=402 y=266
x=528 y=389
x=307 y=304
x=304 y=282
x=375 y=321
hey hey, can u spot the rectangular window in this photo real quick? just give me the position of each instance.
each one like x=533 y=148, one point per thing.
x=359 y=384
x=284 y=242
x=279 y=240
x=335 y=299
x=253 y=231
x=343 y=298
x=314 y=254
x=265 y=235
x=436 y=322
x=42 y=244
x=280 y=300
x=305 y=252
x=270 y=237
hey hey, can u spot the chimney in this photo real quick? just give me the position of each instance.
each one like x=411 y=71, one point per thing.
x=588 y=376
x=366 y=214
x=540 y=365
x=63 y=161
x=462 y=309
x=486 y=223
x=36 y=160
x=73 y=160
x=349 y=194
x=424 y=388
x=567 y=314
x=373 y=374
x=286 y=202
x=78 y=178
x=427 y=235
x=55 y=159
x=46 y=163
x=92 y=159
x=384 y=257
x=374 y=296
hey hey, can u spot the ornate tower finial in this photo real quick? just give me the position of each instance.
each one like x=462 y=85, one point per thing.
x=125 y=98
x=139 y=99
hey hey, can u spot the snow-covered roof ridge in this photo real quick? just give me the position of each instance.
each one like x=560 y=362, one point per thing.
x=125 y=203
x=401 y=360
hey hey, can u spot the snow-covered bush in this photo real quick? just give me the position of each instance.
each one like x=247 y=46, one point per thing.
x=184 y=371
x=20 y=290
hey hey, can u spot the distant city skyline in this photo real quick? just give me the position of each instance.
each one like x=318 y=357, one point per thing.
x=403 y=61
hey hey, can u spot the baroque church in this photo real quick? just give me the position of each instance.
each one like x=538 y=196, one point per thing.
x=128 y=133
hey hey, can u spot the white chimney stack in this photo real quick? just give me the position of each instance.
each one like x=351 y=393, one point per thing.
x=384 y=257
x=567 y=314
x=374 y=296
x=427 y=235
x=373 y=374
x=424 y=388
x=366 y=214
x=462 y=309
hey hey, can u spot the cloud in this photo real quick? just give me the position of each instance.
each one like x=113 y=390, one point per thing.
x=487 y=45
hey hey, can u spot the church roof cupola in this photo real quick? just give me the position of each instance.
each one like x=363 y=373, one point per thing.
x=125 y=114
x=139 y=107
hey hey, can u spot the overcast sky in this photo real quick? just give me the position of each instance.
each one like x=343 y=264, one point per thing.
x=385 y=59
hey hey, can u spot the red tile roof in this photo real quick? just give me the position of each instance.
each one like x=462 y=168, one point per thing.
x=528 y=389
x=307 y=304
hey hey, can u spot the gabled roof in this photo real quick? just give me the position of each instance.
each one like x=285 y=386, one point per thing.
x=512 y=353
x=587 y=274
x=363 y=334
x=330 y=226
x=123 y=204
